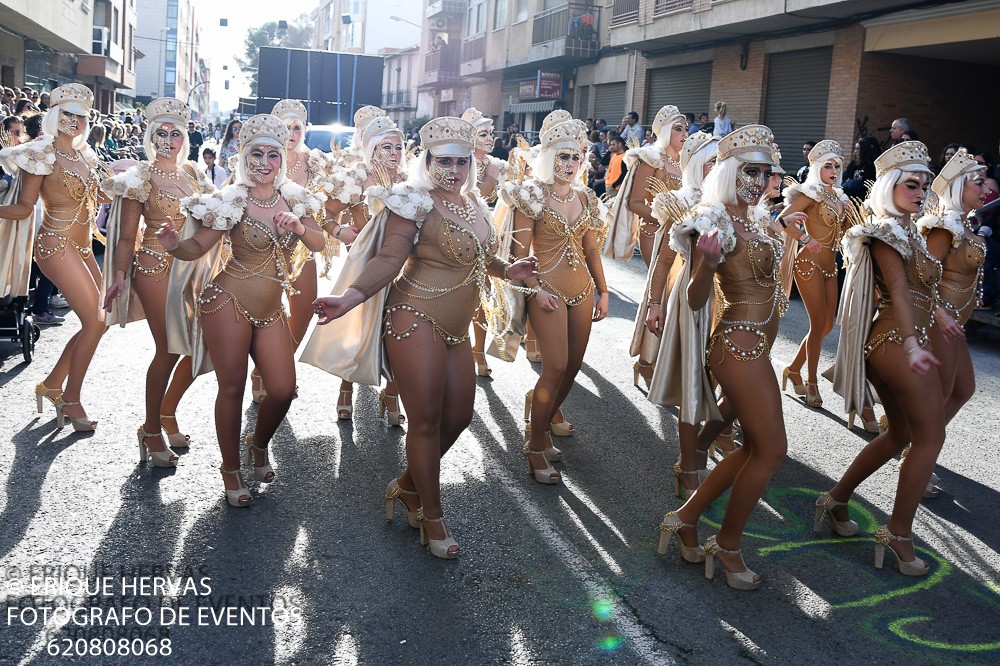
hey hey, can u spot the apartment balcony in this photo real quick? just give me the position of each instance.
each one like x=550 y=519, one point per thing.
x=473 y=54
x=564 y=35
x=446 y=9
x=398 y=100
x=625 y=11
x=666 y=6
x=441 y=67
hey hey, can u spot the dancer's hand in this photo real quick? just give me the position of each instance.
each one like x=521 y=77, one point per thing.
x=169 y=238
x=921 y=361
x=601 y=308
x=710 y=247
x=814 y=246
x=348 y=234
x=794 y=220
x=522 y=268
x=328 y=308
x=949 y=327
x=654 y=319
x=548 y=302
x=115 y=291
x=288 y=222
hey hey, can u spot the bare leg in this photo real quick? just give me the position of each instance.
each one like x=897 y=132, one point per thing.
x=552 y=329
x=646 y=247
x=273 y=351
x=479 y=339
x=819 y=295
x=579 y=324
x=964 y=385
x=180 y=382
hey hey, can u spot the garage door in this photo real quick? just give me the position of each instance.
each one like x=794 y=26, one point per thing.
x=609 y=102
x=583 y=102
x=687 y=87
x=798 y=90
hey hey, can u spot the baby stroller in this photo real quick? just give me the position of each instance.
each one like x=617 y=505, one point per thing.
x=16 y=325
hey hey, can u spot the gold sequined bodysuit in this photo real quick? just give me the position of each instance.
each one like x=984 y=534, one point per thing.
x=826 y=227
x=563 y=251
x=444 y=276
x=922 y=273
x=962 y=277
x=70 y=203
x=151 y=260
x=649 y=227
x=256 y=274
x=750 y=299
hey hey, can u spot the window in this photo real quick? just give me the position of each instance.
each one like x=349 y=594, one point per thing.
x=475 y=23
x=115 y=22
x=522 y=11
x=499 y=14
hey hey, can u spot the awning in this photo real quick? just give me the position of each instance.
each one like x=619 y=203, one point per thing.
x=533 y=107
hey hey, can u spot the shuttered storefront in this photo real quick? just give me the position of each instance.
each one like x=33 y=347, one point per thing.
x=798 y=90
x=609 y=102
x=582 y=94
x=688 y=87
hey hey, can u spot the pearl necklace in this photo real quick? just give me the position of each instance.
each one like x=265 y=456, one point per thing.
x=71 y=158
x=562 y=199
x=466 y=212
x=672 y=162
x=268 y=203
x=292 y=170
x=169 y=175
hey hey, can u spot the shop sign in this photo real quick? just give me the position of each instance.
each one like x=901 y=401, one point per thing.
x=549 y=84
x=448 y=95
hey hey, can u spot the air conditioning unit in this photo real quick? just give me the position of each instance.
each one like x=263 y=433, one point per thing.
x=439 y=24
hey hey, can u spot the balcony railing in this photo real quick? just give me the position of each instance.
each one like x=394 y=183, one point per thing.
x=624 y=11
x=666 y=6
x=441 y=66
x=574 y=22
x=396 y=99
x=446 y=8
x=474 y=48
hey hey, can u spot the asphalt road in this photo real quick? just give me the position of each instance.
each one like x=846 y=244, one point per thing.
x=562 y=575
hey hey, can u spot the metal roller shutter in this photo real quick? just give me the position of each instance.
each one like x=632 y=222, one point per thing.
x=583 y=102
x=798 y=90
x=687 y=87
x=609 y=102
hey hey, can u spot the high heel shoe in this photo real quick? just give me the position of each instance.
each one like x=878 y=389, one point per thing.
x=82 y=424
x=883 y=424
x=873 y=426
x=531 y=350
x=552 y=454
x=165 y=458
x=175 y=440
x=546 y=475
x=257 y=387
x=743 y=580
x=813 y=400
x=42 y=391
x=883 y=538
x=345 y=405
x=239 y=497
x=716 y=451
x=393 y=491
x=439 y=547
x=679 y=489
x=786 y=376
x=561 y=429
x=264 y=473
x=643 y=370
x=825 y=505
x=670 y=528
x=482 y=369
x=395 y=418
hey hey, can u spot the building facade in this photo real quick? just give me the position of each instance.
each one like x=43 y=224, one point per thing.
x=46 y=44
x=365 y=26
x=399 y=83
x=169 y=35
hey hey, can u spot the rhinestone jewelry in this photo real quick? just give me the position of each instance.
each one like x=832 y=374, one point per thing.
x=270 y=202
x=672 y=162
x=67 y=156
x=169 y=175
x=565 y=200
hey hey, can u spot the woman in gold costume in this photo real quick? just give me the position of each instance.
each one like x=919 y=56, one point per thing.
x=728 y=249
x=60 y=168
x=428 y=308
x=239 y=311
x=560 y=221
x=889 y=257
x=136 y=264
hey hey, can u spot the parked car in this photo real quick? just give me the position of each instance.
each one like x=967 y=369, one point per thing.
x=325 y=137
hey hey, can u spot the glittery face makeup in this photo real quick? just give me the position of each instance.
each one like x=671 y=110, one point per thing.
x=828 y=173
x=908 y=194
x=484 y=140
x=751 y=182
x=568 y=163
x=678 y=134
x=388 y=152
x=167 y=140
x=263 y=164
x=448 y=172
x=974 y=192
x=295 y=128
x=70 y=123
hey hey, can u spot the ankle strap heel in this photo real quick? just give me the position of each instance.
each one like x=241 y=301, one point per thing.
x=264 y=473
x=825 y=505
x=883 y=538
x=241 y=496
x=743 y=580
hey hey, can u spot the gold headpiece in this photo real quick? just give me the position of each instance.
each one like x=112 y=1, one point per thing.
x=693 y=144
x=776 y=160
x=749 y=144
x=263 y=128
x=73 y=97
x=475 y=116
x=959 y=164
x=827 y=149
x=287 y=108
x=168 y=110
x=364 y=115
x=908 y=156
x=665 y=117
x=557 y=116
x=448 y=137
x=570 y=133
x=378 y=127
